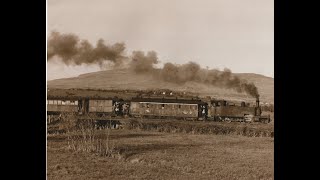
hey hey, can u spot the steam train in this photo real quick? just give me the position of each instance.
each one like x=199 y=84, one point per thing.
x=187 y=109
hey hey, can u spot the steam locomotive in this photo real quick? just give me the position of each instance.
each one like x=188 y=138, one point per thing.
x=187 y=109
x=221 y=110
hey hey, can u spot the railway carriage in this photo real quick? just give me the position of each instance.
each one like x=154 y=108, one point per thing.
x=95 y=109
x=101 y=106
x=160 y=108
x=57 y=105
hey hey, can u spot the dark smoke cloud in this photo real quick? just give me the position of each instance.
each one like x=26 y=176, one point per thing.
x=142 y=63
x=193 y=72
x=64 y=45
x=72 y=50
x=180 y=74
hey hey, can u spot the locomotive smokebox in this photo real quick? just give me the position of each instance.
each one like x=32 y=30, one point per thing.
x=257 y=102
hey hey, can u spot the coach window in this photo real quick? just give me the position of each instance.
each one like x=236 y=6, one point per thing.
x=71 y=102
x=50 y=102
x=76 y=103
x=67 y=102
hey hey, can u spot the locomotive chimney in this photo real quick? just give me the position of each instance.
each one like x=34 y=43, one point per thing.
x=257 y=102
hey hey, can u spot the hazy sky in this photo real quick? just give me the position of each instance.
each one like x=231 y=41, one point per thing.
x=237 y=34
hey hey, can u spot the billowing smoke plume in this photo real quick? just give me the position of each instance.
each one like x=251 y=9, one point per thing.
x=193 y=72
x=182 y=73
x=142 y=63
x=72 y=50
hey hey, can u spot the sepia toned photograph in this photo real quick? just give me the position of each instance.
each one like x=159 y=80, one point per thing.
x=160 y=89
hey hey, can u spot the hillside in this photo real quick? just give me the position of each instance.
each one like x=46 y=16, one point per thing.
x=126 y=80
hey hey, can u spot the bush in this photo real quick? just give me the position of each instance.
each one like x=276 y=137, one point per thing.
x=202 y=128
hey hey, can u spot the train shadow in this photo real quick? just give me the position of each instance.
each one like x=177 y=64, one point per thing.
x=119 y=136
x=56 y=138
x=129 y=150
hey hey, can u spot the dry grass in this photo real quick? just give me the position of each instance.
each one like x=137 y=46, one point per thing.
x=155 y=155
x=192 y=150
x=196 y=127
x=82 y=136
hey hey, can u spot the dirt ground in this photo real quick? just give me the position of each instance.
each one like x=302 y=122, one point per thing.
x=159 y=155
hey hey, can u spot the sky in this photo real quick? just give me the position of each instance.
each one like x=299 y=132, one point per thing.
x=233 y=34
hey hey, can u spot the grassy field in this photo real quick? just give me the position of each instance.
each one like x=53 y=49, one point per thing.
x=140 y=154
